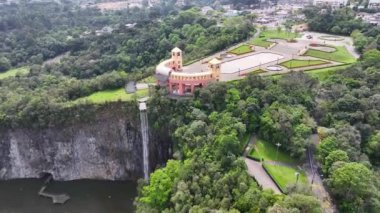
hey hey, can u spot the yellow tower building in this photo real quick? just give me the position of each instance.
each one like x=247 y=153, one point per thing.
x=177 y=59
x=214 y=67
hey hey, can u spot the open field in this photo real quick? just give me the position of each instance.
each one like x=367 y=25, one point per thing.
x=242 y=49
x=340 y=55
x=14 y=72
x=295 y=63
x=284 y=175
x=267 y=151
x=112 y=96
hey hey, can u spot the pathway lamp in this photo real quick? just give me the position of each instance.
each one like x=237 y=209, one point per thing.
x=278 y=146
x=297 y=177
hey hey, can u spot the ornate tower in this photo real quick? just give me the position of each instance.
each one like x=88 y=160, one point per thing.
x=214 y=66
x=177 y=59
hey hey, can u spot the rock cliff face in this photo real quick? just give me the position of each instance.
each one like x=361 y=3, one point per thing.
x=106 y=146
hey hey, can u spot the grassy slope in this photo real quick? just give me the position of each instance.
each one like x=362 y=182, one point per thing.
x=14 y=72
x=242 y=49
x=295 y=63
x=323 y=73
x=266 y=150
x=340 y=55
x=285 y=176
x=112 y=96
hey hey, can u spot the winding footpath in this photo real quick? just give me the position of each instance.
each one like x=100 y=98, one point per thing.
x=256 y=170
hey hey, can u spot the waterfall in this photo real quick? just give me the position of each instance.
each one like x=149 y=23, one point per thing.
x=145 y=138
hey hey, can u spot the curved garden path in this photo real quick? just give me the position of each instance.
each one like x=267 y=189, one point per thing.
x=256 y=170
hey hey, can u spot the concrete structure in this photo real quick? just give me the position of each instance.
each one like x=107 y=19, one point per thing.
x=374 y=4
x=170 y=73
x=335 y=4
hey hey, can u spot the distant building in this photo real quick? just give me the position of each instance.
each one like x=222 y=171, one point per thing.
x=205 y=10
x=374 y=4
x=335 y=4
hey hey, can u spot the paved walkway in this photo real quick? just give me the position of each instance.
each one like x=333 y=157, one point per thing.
x=256 y=170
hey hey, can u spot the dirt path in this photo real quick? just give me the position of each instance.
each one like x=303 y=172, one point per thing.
x=316 y=181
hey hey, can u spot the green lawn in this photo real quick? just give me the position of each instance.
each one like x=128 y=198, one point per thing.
x=14 y=72
x=296 y=63
x=242 y=49
x=340 y=55
x=266 y=150
x=274 y=34
x=261 y=42
x=284 y=175
x=112 y=96
x=323 y=73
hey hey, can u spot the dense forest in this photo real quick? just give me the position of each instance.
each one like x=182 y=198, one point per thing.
x=207 y=173
x=95 y=62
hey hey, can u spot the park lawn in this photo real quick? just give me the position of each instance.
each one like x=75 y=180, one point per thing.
x=267 y=151
x=261 y=42
x=14 y=72
x=340 y=55
x=296 y=63
x=284 y=175
x=323 y=73
x=274 y=34
x=112 y=96
x=242 y=49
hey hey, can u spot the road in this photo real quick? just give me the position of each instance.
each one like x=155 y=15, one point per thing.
x=256 y=170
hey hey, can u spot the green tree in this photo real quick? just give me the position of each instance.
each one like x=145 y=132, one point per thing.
x=353 y=184
x=334 y=156
x=5 y=64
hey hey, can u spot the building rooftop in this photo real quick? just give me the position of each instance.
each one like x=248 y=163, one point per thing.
x=176 y=49
x=215 y=61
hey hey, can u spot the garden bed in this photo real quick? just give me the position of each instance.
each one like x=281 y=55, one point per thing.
x=296 y=63
x=340 y=55
x=242 y=49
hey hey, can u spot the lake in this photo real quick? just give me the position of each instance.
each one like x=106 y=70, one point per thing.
x=87 y=196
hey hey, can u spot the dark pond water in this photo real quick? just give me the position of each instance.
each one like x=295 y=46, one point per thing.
x=87 y=196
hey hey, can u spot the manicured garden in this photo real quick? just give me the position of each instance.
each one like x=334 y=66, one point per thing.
x=261 y=42
x=267 y=151
x=242 y=49
x=14 y=72
x=340 y=55
x=284 y=175
x=296 y=63
x=112 y=96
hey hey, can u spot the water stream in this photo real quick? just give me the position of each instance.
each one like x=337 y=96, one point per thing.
x=20 y=196
x=145 y=138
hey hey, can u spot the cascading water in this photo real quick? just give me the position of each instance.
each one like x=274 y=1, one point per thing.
x=145 y=138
